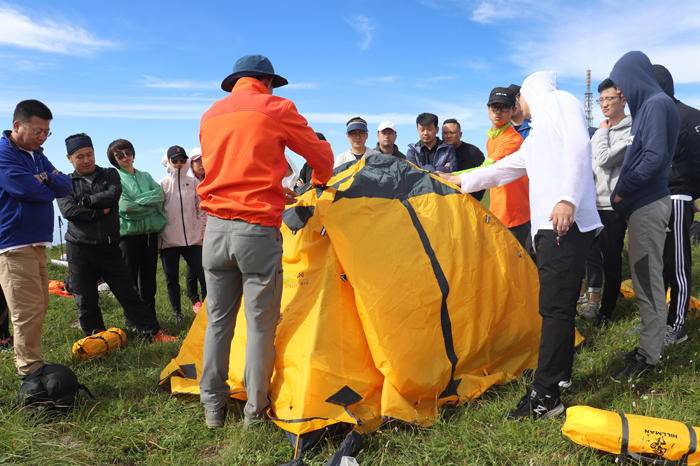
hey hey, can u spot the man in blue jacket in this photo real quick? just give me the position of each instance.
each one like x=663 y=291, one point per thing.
x=28 y=185
x=642 y=195
x=430 y=153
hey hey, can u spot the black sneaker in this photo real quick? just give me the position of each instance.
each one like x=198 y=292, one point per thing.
x=635 y=367
x=536 y=406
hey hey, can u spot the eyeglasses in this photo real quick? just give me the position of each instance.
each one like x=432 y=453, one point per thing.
x=123 y=155
x=179 y=160
x=39 y=131
x=607 y=100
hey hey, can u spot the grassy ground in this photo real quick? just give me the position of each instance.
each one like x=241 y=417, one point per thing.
x=133 y=422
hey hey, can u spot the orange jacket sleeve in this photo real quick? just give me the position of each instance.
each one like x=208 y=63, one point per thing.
x=302 y=140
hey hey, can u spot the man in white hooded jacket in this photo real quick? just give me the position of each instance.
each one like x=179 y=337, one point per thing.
x=556 y=157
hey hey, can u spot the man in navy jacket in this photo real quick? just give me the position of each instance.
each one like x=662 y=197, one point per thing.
x=642 y=195
x=28 y=185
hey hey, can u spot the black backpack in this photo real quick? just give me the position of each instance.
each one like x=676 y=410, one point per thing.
x=52 y=386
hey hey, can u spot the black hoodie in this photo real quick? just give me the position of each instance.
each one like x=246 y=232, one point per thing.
x=655 y=122
x=685 y=168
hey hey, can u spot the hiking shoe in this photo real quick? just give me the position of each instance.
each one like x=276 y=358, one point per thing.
x=536 y=406
x=103 y=287
x=583 y=299
x=196 y=307
x=162 y=337
x=214 y=418
x=251 y=422
x=179 y=318
x=635 y=367
x=673 y=337
x=589 y=311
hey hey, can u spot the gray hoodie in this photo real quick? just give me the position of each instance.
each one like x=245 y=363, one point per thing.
x=608 y=146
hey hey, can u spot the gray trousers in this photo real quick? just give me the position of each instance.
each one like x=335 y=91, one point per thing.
x=647 y=234
x=240 y=259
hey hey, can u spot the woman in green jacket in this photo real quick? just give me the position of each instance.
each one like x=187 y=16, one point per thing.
x=141 y=218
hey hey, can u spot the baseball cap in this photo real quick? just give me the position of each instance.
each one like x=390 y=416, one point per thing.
x=176 y=151
x=386 y=125
x=501 y=95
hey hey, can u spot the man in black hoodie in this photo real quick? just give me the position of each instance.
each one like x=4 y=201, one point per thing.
x=684 y=184
x=642 y=195
x=92 y=241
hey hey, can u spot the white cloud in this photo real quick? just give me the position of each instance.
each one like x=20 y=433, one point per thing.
x=429 y=82
x=374 y=80
x=302 y=86
x=364 y=28
x=45 y=35
x=160 y=83
x=571 y=39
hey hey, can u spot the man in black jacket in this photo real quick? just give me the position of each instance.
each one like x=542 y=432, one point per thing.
x=684 y=184
x=92 y=241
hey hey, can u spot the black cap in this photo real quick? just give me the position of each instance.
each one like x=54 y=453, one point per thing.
x=176 y=151
x=501 y=95
x=77 y=141
x=514 y=88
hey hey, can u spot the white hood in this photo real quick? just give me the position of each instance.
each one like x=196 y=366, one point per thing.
x=537 y=89
x=290 y=181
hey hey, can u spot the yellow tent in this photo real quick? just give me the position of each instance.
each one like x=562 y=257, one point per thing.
x=401 y=294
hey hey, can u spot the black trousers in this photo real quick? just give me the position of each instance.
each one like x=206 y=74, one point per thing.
x=521 y=233
x=677 y=261
x=561 y=265
x=4 y=317
x=86 y=265
x=193 y=285
x=594 y=266
x=140 y=252
x=611 y=241
x=170 y=258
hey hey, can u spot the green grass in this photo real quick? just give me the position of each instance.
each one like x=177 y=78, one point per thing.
x=132 y=421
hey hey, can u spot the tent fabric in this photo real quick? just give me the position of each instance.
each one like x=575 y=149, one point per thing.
x=401 y=294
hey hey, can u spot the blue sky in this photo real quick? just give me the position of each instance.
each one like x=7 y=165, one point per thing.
x=147 y=70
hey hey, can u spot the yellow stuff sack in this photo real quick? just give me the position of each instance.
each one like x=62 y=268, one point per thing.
x=632 y=436
x=99 y=344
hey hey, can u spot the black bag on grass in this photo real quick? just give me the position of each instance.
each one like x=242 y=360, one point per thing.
x=52 y=386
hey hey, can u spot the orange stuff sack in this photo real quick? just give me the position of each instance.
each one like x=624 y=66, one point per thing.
x=57 y=288
x=632 y=436
x=99 y=344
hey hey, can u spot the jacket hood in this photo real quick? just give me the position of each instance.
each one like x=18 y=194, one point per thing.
x=536 y=89
x=664 y=78
x=171 y=168
x=634 y=76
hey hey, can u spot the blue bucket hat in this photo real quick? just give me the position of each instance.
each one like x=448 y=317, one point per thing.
x=252 y=66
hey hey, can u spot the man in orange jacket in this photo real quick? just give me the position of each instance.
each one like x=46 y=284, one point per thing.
x=243 y=137
x=509 y=203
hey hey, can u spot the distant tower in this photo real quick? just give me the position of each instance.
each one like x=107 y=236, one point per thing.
x=588 y=100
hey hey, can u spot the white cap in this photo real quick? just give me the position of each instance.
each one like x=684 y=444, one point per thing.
x=388 y=124
x=196 y=153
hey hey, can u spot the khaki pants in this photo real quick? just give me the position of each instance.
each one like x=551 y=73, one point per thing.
x=25 y=282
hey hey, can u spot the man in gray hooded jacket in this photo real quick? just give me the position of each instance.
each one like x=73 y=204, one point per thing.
x=608 y=146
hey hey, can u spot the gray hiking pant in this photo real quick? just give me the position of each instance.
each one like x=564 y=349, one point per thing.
x=240 y=259
x=647 y=234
